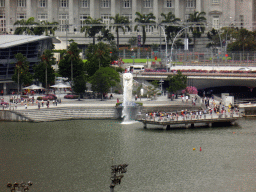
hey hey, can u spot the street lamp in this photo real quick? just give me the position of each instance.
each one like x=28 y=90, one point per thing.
x=116 y=175
x=165 y=47
x=18 y=187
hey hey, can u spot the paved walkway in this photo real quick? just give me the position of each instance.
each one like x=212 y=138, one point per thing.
x=160 y=101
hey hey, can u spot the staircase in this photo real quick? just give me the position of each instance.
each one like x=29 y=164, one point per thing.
x=66 y=113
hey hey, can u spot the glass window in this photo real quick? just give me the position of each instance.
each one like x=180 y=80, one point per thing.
x=215 y=1
x=42 y=16
x=63 y=21
x=83 y=17
x=84 y=3
x=21 y=3
x=241 y=18
x=21 y=16
x=2 y=22
x=169 y=3
x=126 y=3
x=105 y=18
x=149 y=29
x=42 y=3
x=216 y=22
x=63 y=3
x=2 y=3
x=186 y=18
x=147 y=3
x=191 y=4
x=104 y=3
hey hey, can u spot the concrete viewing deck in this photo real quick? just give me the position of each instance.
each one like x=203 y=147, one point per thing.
x=208 y=119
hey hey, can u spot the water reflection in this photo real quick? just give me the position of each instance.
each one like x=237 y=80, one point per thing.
x=77 y=155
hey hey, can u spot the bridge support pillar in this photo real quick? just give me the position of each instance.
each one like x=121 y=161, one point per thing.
x=192 y=125
x=145 y=126
x=186 y=125
x=168 y=127
x=210 y=124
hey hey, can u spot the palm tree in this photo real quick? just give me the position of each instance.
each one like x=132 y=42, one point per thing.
x=26 y=27
x=144 y=20
x=120 y=20
x=198 y=28
x=50 y=29
x=93 y=29
x=170 y=31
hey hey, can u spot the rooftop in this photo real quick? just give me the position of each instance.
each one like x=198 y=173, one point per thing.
x=7 y=41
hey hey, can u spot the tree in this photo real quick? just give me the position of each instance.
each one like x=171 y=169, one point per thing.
x=80 y=84
x=244 y=41
x=106 y=35
x=120 y=20
x=170 y=31
x=198 y=28
x=49 y=28
x=97 y=56
x=93 y=29
x=103 y=79
x=22 y=76
x=177 y=82
x=144 y=20
x=71 y=65
x=214 y=37
x=27 y=28
x=42 y=73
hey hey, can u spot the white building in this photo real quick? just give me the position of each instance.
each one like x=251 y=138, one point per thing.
x=219 y=13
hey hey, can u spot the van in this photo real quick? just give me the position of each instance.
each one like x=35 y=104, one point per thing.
x=135 y=68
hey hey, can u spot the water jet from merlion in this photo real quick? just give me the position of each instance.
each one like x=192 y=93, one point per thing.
x=127 y=98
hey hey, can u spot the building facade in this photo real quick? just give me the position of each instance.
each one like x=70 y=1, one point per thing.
x=72 y=13
x=30 y=46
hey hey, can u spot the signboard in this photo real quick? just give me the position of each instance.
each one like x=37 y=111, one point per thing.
x=139 y=40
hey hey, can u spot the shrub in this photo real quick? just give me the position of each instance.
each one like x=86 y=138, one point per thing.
x=39 y=98
x=71 y=96
x=190 y=90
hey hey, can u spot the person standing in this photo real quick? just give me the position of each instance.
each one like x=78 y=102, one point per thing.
x=38 y=104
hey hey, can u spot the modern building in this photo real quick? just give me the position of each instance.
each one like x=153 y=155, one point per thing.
x=219 y=13
x=30 y=46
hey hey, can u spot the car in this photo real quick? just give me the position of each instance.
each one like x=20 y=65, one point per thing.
x=244 y=69
x=49 y=97
x=117 y=62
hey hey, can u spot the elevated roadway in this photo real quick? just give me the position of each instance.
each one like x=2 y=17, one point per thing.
x=203 y=80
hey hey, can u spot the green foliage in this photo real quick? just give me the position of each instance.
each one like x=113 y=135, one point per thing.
x=39 y=98
x=103 y=79
x=80 y=84
x=214 y=37
x=97 y=56
x=48 y=60
x=244 y=40
x=71 y=56
x=26 y=27
x=177 y=82
x=120 y=20
x=143 y=19
x=198 y=28
x=155 y=83
x=132 y=41
x=170 y=31
x=151 y=91
x=93 y=29
x=106 y=35
x=21 y=72
x=50 y=28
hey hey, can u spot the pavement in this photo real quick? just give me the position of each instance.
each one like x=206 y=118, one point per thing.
x=159 y=101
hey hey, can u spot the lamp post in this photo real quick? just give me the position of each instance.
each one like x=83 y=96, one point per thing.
x=18 y=187
x=116 y=175
x=165 y=47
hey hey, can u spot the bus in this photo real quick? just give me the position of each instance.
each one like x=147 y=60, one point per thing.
x=135 y=68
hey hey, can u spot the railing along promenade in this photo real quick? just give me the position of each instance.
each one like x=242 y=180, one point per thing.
x=188 y=119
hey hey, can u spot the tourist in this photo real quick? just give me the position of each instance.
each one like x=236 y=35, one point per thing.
x=26 y=106
x=38 y=105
